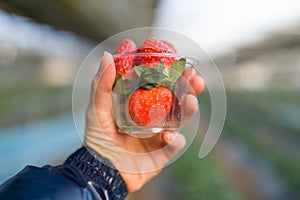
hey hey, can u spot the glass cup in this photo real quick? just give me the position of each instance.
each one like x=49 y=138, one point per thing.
x=142 y=95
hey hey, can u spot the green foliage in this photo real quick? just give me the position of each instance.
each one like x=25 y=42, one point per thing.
x=256 y=118
x=24 y=97
x=200 y=178
x=150 y=75
x=161 y=74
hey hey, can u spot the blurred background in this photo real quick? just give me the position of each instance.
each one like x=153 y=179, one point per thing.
x=255 y=44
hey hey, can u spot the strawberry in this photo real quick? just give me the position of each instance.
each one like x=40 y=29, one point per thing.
x=153 y=45
x=170 y=45
x=125 y=63
x=150 y=107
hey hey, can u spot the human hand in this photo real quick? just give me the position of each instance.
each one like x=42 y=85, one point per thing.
x=137 y=159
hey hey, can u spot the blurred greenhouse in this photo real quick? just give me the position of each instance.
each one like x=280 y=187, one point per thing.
x=256 y=46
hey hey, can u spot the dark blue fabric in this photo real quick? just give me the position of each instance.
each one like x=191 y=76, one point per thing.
x=66 y=181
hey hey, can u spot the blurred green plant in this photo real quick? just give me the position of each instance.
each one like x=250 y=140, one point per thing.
x=201 y=178
x=264 y=121
x=24 y=97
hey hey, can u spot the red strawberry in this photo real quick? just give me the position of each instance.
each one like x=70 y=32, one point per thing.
x=124 y=63
x=153 y=45
x=170 y=45
x=150 y=106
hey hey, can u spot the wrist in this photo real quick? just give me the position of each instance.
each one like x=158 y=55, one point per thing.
x=99 y=171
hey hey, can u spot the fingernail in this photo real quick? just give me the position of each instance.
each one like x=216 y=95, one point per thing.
x=106 y=60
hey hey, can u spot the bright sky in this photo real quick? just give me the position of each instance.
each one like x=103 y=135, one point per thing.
x=222 y=25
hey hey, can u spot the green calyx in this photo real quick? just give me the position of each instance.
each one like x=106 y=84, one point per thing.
x=161 y=75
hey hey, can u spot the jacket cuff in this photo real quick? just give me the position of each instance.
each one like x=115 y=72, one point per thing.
x=100 y=171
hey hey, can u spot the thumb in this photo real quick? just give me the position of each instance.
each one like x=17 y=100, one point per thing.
x=103 y=82
x=105 y=77
x=99 y=112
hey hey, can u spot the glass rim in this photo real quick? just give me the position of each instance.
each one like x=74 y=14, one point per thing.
x=188 y=58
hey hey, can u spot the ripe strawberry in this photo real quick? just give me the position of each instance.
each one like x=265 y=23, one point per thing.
x=170 y=45
x=153 y=45
x=150 y=107
x=125 y=63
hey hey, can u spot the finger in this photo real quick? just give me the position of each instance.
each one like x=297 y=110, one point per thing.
x=156 y=160
x=103 y=82
x=99 y=111
x=187 y=73
x=168 y=137
x=190 y=107
x=177 y=143
x=197 y=85
x=105 y=77
x=196 y=82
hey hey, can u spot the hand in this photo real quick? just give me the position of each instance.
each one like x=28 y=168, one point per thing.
x=137 y=159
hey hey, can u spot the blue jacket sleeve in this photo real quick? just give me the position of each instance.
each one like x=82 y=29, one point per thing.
x=81 y=177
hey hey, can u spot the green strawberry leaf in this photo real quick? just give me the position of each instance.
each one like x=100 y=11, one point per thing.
x=160 y=74
x=124 y=86
x=179 y=65
x=176 y=70
x=172 y=87
x=160 y=66
x=150 y=75
x=116 y=80
x=139 y=70
x=153 y=76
